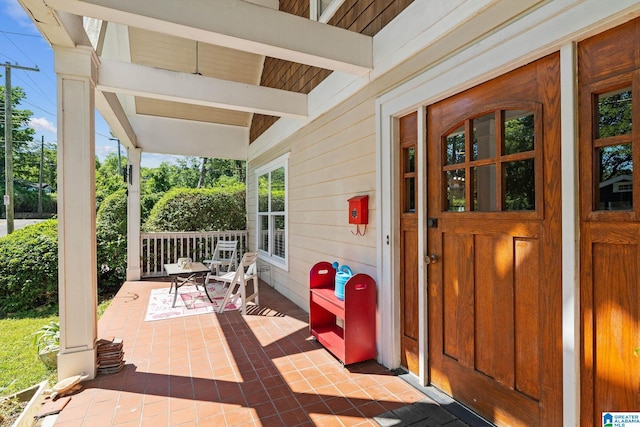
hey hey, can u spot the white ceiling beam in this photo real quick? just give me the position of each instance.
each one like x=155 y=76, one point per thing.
x=240 y=25
x=111 y=110
x=139 y=80
x=188 y=138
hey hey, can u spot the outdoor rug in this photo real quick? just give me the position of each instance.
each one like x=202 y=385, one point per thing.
x=190 y=301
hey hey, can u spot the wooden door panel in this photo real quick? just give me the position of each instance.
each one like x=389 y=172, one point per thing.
x=495 y=293
x=500 y=404
x=410 y=273
x=458 y=299
x=611 y=312
x=409 y=298
x=527 y=314
x=609 y=62
x=509 y=290
x=616 y=376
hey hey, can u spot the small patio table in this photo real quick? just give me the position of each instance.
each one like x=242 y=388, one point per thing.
x=174 y=271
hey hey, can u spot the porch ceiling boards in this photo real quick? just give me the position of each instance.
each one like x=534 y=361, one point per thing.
x=195 y=68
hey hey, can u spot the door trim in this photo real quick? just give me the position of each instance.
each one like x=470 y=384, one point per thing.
x=570 y=235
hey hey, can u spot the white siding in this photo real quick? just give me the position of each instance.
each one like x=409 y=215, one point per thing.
x=331 y=160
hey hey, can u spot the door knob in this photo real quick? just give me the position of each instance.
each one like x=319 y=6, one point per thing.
x=431 y=259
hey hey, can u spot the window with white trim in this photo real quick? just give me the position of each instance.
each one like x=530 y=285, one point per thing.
x=323 y=10
x=272 y=211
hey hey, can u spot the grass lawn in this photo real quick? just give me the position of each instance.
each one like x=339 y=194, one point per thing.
x=19 y=364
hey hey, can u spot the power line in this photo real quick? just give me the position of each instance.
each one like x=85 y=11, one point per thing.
x=35 y=85
x=20 y=34
x=19 y=50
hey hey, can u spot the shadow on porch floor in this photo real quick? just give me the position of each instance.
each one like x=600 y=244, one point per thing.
x=262 y=369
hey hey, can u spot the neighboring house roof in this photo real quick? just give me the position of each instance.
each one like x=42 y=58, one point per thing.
x=619 y=178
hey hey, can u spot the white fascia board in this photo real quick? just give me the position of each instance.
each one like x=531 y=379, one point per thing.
x=240 y=25
x=57 y=27
x=539 y=33
x=110 y=108
x=443 y=27
x=139 y=80
x=189 y=138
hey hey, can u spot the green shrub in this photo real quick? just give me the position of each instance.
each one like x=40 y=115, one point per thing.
x=111 y=236
x=29 y=268
x=203 y=209
x=147 y=202
x=27 y=201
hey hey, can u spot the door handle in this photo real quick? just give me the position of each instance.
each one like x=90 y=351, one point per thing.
x=431 y=259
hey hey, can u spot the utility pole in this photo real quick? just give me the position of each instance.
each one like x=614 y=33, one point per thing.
x=119 y=156
x=8 y=142
x=40 y=180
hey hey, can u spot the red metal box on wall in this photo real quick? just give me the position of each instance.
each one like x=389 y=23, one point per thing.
x=359 y=210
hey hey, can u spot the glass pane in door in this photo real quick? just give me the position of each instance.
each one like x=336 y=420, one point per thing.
x=519 y=131
x=615 y=187
x=455 y=143
x=456 y=199
x=614 y=113
x=520 y=188
x=484 y=188
x=484 y=137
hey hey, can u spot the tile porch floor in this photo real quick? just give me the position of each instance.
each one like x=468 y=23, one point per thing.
x=262 y=369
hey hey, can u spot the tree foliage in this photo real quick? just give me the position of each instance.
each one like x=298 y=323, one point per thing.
x=26 y=158
x=108 y=180
x=21 y=132
x=519 y=135
x=190 y=172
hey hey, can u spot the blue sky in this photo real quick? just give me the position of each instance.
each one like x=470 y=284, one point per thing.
x=22 y=43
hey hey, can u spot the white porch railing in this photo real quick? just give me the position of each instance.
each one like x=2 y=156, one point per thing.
x=158 y=249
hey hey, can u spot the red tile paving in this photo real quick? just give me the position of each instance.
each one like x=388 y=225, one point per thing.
x=262 y=369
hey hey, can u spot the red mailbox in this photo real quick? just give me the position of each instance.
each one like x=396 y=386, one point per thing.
x=359 y=210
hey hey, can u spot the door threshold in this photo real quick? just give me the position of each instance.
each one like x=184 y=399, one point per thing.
x=447 y=403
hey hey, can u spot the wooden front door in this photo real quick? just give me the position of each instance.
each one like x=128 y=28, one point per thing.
x=408 y=243
x=494 y=240
x=609 y=82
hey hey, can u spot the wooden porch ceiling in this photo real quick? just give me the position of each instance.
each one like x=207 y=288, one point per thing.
x=200 y=64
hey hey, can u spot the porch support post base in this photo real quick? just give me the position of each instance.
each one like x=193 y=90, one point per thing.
x=77 y=363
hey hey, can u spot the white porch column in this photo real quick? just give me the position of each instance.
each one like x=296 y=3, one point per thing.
x=133 y=215
x=76 y=70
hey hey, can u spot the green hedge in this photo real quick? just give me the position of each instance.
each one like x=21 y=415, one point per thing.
x=29 y=256
x=111 y=236
x=29 y=268
x=204 y=209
